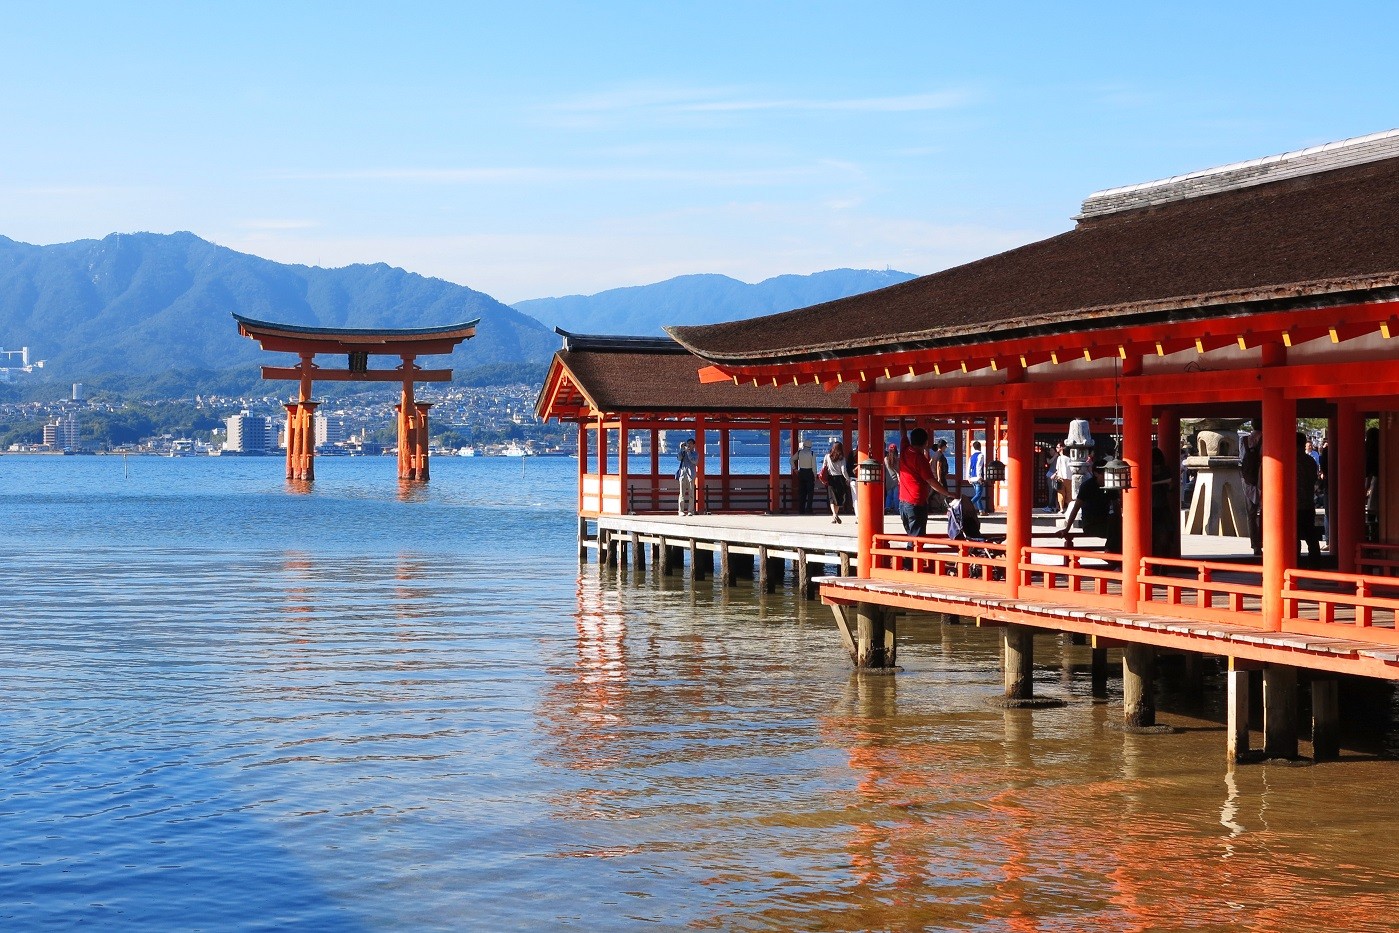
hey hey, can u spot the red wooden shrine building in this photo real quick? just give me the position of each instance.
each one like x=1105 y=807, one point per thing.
x=630 y=395
x=1266 y=291
x=356 y=345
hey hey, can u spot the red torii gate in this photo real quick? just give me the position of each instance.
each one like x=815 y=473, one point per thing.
x=357 y=345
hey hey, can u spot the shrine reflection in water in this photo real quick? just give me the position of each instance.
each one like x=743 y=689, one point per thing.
x=718 y=740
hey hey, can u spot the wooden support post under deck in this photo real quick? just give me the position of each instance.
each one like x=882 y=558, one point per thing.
x=695 y=572
x=763 y=571
x=1098 y=673
x=666 y=563
x=1138 y=685
x=1019 y=661
x=1279 y=707
x=725 y=570
x=1326 y=720
x=803 y=574
x=638 y=553
x=1237 y=705
x=582 y=537
x=875 y=637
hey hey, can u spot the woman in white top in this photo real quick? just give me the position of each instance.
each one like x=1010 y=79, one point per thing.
x=833 y=466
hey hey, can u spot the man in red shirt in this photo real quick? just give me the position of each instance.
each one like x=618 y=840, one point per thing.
x=916 y=481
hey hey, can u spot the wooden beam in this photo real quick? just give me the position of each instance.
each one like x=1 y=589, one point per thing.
x=294 y=374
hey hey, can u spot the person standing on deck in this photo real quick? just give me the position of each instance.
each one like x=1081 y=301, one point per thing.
x=891 y=479
x=804 y=465
x=836 y=475
x=976 y=474
x=916 y=483
x=936 y=501
x=689 y=462
x=1251 y=467
x=1063 y=478
x=1306 y=501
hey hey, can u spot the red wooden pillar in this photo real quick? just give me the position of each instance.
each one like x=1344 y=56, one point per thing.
x=1136 y=502
x=424 y=451
x=293 y=419
x=655 y=469
x=308 y=440
x=700 y=505
x=1279 y=477
x=601 y=463
x=724 y=466
x=1347 y=485
x=623 y=467
x=1020 y=495
x=774 y=465
x=582 y=462
x=871 y=510
x=1168 y=441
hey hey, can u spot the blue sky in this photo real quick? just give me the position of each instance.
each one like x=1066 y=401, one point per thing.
x=534 y=149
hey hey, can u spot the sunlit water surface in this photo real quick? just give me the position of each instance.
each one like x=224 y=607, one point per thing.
x=229 y=704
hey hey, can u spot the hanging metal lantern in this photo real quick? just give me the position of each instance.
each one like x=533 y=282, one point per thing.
x=995 y=472
x=1117 y=474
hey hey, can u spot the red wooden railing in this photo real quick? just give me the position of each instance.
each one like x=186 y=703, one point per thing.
x=1317 y=602
x=1067 y=575
x=1361 y=607
x=1196 y=589
x=941 y=561
x=1377 y=559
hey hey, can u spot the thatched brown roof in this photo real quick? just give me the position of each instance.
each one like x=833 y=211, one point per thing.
x=657 y=376
x=1326 y=238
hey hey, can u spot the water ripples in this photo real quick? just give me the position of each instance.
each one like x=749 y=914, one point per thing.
x=233 y=707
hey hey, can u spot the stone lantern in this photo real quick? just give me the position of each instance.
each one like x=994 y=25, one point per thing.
x=1218 y=506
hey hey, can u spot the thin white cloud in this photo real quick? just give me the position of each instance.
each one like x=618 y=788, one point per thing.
x=944 y=100
x=729 y=100
x=542 y=175
x=275 y=224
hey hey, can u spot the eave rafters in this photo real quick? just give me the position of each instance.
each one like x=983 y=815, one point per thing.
x=1246 y=332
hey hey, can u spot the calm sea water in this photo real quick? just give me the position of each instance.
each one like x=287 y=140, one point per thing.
x=232 y=705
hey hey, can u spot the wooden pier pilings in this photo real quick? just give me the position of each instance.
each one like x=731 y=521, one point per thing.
x=721 y=548
x=1267 y=698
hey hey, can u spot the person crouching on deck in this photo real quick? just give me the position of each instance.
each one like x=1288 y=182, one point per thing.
x=1102 y=516
x=916 y=483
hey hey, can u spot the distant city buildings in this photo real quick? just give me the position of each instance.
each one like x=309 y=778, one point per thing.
x=329 y=431
x=250 y=434
x=17 y=361
x=62 y=433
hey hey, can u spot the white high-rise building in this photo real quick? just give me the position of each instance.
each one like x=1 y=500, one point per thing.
x=249 y=434
x=62 y=432
x=329 y=431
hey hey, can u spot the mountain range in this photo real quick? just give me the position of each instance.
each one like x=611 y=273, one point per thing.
x=700 y=299
x=149 y=313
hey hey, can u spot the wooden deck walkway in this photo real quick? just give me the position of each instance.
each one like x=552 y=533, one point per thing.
x=1329 y=653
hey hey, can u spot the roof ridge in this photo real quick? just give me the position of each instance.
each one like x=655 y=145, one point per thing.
x=1343 y=153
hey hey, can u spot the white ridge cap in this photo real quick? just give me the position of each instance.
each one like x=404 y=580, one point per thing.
x=1357 y=151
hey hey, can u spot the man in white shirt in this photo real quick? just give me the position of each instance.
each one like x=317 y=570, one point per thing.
x=804 y=464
